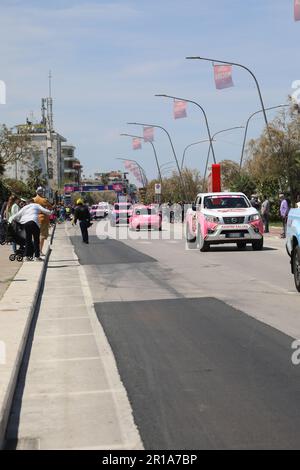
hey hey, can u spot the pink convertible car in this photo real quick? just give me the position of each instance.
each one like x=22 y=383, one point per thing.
x=147 y=217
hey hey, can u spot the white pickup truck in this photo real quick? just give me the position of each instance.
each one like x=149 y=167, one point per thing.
x=293 y=244
x=226 y=217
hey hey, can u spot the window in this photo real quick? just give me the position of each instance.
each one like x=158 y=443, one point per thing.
x=225 y=202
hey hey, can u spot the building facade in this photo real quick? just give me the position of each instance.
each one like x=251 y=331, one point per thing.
x=71 y=165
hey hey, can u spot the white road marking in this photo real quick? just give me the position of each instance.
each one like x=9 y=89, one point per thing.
x=63 y=336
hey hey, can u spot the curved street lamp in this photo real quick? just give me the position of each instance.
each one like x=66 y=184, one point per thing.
x=190 y=145
x=204 y=114
x=172 y=146
x=142 y=171
x=253 y=76
x=247 y=125
x=166 y=164
x=217 y=133
x=155 y=154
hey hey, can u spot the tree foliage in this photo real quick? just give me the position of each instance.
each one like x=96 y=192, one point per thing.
x=277 y=162
x=172 y=189
x=35 y=177
x=15 y=146
x=17 y=187
x=2 y=166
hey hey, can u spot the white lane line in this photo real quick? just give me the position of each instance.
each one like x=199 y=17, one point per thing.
x=68 y=359
x=64 y=318
x=129 y=446
x=63 y=336
x=72 y=394
x=128 y=428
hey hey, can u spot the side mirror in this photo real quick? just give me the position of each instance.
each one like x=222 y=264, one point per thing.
x=194 y=207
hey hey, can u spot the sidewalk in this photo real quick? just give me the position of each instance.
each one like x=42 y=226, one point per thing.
x=8 y=268
x=70 y=395
x=20 y=288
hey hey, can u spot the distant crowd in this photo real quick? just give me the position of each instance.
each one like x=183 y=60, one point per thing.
x=264 y=208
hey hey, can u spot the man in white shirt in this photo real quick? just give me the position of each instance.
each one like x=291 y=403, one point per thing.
x=29 y=217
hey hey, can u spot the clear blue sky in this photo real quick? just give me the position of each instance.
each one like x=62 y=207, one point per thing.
x=108 y=59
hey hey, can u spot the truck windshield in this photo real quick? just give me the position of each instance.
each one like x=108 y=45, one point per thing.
x=225 y=202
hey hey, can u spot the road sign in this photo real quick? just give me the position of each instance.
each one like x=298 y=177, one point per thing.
x=157 y=188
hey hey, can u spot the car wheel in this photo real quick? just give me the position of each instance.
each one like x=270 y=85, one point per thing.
x=296 y=267
x=203 y=245
x=191 y=242
x=241 y=245
x=257 y=245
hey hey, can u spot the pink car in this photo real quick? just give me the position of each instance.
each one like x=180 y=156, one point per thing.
x=147 y=217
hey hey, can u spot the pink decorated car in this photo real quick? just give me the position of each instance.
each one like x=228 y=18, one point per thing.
x=226 y=217
x=146 y=217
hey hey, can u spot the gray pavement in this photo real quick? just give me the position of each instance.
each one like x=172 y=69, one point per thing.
x=69 y=395
x=202 y=375
x=202 y=343
x=8 y=268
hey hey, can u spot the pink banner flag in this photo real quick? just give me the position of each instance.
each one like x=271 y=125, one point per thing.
x=179 y=109
x=127 y=164
x=136 y=143
x=297 y=10
x=148 y=134
x=223 y=76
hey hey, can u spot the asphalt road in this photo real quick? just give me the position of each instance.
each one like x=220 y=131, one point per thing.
x=194 y=339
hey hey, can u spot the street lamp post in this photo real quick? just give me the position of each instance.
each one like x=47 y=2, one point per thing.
x=253 y=76
x=190 y=145
x=208 y=154
x=142 y=171
x=247 y=125
x=172 y=146
x=154 y=151
x=204 y=114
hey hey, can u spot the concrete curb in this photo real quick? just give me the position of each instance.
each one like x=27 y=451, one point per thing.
x=17 y=308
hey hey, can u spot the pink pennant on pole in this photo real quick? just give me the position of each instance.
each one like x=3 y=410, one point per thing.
x=127 y=164
x=179 y=109
x=223 y=76
x=297 y=10
x=148 y=134
x=136 y=143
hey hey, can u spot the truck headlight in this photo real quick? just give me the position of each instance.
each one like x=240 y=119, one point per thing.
x=212 y=219
x=254 y=217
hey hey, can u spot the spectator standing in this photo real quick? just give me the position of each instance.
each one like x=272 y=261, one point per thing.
x=3 y=209
x=255 y=202
x=12 y=208
x=44 y=220
x=82 y=214
x=28 y=216
x=265 y=213
x=284 y=211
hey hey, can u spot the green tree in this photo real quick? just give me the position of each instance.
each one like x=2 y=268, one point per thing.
x=17 y=187
x=230 y=171
x=172 y=187
x=243 y=182
x=2 y=166
x=278 y=160
x=35 y=177
x=15 y=146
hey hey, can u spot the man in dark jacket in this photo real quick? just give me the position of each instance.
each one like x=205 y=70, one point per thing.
x=82 y=214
